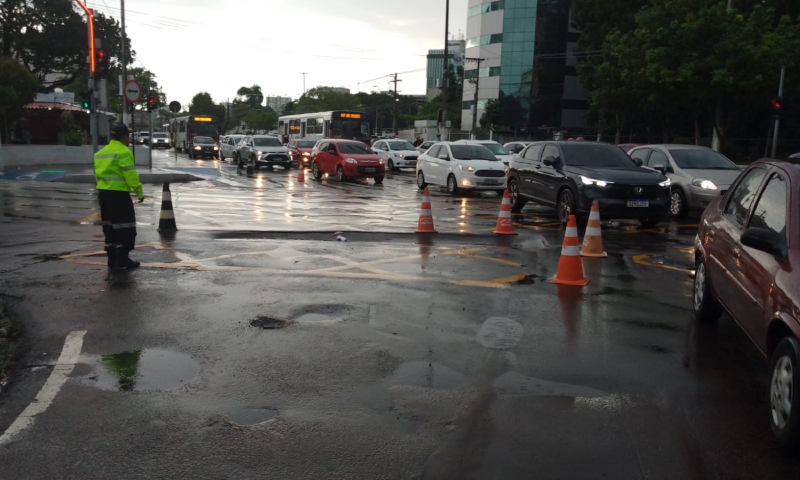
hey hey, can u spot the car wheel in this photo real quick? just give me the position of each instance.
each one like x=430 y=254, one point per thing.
x=513 y=194
x=650 y=222
x=452 y=185
x=255 y=164
x=677 y=203
x=566 y=205
x=340 y=174
x=390 y=166
x=191 y=155
x=421 y=180
x=706 y=308
x=784 y=403
x=315 y=172
x=378 y=180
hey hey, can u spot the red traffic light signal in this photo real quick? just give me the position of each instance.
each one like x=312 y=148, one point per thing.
x=101 y=63
x=152 y=103
x=776 y=104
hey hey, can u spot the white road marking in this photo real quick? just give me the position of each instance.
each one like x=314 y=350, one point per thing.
x=66 y=363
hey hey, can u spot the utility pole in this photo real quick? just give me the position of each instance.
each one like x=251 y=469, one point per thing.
x=122 y=60
x=443 y=124
x=394 y=104
x=304 y=81
x=777 y=115
x=475 y=98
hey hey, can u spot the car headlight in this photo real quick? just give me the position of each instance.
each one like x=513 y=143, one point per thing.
x=258 y=152
x=381 y=161
x=197 y=148
x=399 y=155
x=350 y=160
x=665 y=183
x=306 y=154
x=592 y=181
x=466 y=168
x=506 y=170
x=216 y=148
x=704 y=184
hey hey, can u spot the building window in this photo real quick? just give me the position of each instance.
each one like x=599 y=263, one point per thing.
x=484 y=72
x=485 y=40
x=485 y=8
x=468 y=105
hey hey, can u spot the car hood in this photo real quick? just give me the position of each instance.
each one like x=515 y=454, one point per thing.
x=204 y=144
x=722 y=178
x=304 y=149
x=482 y=164
x=272 y=149
x=634 y=175
x=505 y=158
x=363 y=157
x=405 y=153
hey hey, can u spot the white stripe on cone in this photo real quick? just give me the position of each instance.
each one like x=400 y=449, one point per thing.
x=572 y=232
x=504 y=214
x=167 y=215
x=594 y=215
x=592 y=232
x=166 y=196
x=425 y=213
x=571 y=250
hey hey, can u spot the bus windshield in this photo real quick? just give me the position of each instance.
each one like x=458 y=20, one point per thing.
x=351 y=129
x=205 y=129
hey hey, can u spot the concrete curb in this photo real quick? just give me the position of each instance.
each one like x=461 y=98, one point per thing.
x=154 y=178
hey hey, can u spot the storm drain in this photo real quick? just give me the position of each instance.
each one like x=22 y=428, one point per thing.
x=269 y=323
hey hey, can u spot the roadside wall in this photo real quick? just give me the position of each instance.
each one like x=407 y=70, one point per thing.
x=15 y=156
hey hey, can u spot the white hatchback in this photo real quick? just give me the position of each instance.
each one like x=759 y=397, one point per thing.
x=498 y=150
x=396 y=153
x=461 y=166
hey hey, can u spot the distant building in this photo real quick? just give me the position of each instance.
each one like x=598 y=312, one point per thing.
x=528 y=65
x=340 y=89
x=435 y=69
x=277 y=103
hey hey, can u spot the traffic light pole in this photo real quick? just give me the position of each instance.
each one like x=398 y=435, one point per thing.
x=150 y=144
x=93 y=114
x=777 y=116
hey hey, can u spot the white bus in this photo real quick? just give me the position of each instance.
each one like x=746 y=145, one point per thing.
x=347 y=124
x=182 y=129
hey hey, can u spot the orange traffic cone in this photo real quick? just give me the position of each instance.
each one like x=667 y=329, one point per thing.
x=504 y=226
x=592 y=241
x=570 y=268
x=425 y=224
x=301 y=176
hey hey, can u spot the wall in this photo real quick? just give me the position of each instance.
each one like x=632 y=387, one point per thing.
x=23 y=155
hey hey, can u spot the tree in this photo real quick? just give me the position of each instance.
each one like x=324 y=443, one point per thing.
x=322 y=99
x=251 y=96
x=49 y=38
x=18 y=88
x=491 y=114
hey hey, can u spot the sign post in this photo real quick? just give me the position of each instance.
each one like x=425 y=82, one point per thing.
x=132 y=92
x=174 y=107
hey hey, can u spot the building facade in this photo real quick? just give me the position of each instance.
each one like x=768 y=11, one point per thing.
x=436 y=65
x=528 y=66
x=277 y=103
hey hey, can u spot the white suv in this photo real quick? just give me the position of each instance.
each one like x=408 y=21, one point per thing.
x=396 y=153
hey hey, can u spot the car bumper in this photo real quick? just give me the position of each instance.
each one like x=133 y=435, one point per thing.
x=700 y=198
x=480 y=183
x=363 y=171
x=402 y=163
x=205 y=153
x=272 y=160
x=612 y=208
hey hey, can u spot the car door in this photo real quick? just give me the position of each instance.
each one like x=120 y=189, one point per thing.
x=319 y=158
x=377 y=148
x=546 y=178
x=331 y=158
x=431 y=164
x=756 y=269
x=724 y=234
x=528 y=160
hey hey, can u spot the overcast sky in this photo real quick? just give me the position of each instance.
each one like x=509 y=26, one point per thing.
x=218 y=46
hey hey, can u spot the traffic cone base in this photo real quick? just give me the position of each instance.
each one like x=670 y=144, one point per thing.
x=425 y=224
x=504 y=225
x=592 y=239
x=570 y=267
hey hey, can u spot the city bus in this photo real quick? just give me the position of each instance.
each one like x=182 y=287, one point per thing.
x=351 y=125
x=183 y=129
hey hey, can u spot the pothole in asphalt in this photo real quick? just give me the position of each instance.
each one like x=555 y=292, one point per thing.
x=139 y=370
x=500 y=333
x=420 y=373
x=515 y=383
x=269 y=323
x=251 y=416
x=323 y=314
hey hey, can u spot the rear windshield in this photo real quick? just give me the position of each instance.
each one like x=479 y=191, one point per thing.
x=586 y=154
x=267 y=142
x=701 y=159
x=203 y=140
x=496 y=148
x=472 y=152
x=353 y=148
x=400 y=146
x=306 y=143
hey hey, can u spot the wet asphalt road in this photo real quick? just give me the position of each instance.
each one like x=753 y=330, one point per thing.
x=393 y=356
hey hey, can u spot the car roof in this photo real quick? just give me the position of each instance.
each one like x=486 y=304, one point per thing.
x=674 y=146
x=475 y=142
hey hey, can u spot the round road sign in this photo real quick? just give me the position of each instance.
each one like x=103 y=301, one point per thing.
x=133 y=91
x=174 y=106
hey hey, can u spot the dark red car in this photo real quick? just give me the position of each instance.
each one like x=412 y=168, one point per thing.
x=300 y=152
x=346 y=159
x=747 y=257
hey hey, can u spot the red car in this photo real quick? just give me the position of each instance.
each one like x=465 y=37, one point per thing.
x=747 y=257
x=346 y=159
x=300 y=152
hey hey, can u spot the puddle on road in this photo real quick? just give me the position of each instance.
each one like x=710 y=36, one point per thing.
x=251 y=416
x=269 y=323
x=317 y=318
x=500 y=333
x=420 y=373
x=515 y=383
x=140 y=370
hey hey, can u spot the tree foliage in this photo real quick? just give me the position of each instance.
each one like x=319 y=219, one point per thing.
x=18 y=88
x=203 y=104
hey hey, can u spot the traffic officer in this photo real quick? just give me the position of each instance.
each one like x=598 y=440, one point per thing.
x=116 y=177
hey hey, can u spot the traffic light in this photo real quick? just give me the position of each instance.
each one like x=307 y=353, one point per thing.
x=152 y=103
x=776 y=104
x=101 y=63
x=85 y=99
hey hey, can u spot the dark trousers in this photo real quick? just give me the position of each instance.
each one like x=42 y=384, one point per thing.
x=119 y=219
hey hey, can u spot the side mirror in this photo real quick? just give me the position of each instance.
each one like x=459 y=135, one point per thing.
x=444 y=156
x=764 y=240
x=638 y=162
x=660 y=168
x=550 y=161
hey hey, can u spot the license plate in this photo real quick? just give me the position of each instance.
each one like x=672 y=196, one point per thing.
x=369 y=170
x=491 y=182
x=638 y=203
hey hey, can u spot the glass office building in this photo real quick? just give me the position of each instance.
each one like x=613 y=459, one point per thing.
x=436 y=65
x=528 y=65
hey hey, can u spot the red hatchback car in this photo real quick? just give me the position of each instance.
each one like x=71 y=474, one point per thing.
x=346 y=159
x=747 y=257
x=300 y=151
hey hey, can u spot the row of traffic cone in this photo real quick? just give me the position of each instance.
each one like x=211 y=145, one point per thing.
x=504 y=226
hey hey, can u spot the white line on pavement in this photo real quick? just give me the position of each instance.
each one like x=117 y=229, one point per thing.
x=66 y=363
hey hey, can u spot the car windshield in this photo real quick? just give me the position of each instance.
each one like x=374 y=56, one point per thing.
x=472 y=152
x=400 y=146
x=267 y=142
x=585 y=154
x=353 y=148
x=701 y=159
x=306 y=143
x=159 y=135
x=496 y=148
x=203 y=140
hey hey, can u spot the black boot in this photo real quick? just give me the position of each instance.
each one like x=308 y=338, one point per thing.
x=123 y=261
x=111 y=253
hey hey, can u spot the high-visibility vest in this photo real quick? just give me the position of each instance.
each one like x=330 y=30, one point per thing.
x=114 y=169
